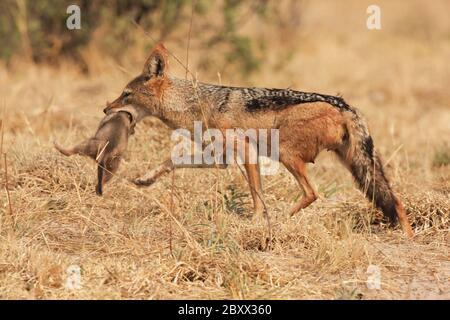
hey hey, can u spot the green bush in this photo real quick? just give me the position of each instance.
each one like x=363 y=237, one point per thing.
x=36 y=30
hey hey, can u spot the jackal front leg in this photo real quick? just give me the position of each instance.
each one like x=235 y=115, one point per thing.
x=254 y=181
x=251 y=165
x=167 y=166
x=150 y=177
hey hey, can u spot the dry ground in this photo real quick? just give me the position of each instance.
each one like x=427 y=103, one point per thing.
x=133 y=244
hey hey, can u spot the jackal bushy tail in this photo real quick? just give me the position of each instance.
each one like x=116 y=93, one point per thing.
x=359 y=155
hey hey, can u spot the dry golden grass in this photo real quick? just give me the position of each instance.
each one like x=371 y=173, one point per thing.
x=130 y=245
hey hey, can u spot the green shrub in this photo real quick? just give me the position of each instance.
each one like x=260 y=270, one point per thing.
x=36 y=30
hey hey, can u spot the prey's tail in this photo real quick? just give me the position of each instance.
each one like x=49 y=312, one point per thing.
x=99 y=187
x=358 y=154
x=106 y=168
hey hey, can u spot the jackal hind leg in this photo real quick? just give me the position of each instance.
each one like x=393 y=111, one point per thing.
x=298 y=169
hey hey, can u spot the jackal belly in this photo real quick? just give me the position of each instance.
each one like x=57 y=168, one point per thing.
x=304 y=130
x=311 y=128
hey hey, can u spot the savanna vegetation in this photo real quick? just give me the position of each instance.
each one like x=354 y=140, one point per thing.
x=190 y=235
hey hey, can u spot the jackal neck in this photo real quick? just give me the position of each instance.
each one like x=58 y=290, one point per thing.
x=185 y=95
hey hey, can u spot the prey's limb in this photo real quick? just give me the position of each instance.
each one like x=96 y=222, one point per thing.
x=86 y=148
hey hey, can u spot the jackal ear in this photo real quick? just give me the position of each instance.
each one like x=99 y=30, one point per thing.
x=156 y=64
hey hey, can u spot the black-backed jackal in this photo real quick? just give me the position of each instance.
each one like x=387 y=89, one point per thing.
x=307 y=122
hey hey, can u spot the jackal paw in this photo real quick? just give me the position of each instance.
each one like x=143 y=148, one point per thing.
x=143 y=182
x=257 y=214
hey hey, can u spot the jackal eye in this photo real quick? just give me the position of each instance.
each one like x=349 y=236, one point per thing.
x=125 y=95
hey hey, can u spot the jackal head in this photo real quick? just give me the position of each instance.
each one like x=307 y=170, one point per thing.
x=142 y=95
